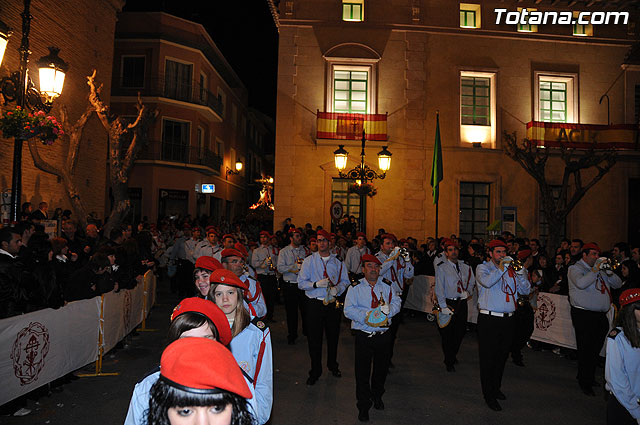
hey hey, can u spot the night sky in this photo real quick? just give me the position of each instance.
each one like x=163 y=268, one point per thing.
x=244 y=32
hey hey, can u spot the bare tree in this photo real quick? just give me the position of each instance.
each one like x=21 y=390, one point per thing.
x=125 y=142
x=534 y=161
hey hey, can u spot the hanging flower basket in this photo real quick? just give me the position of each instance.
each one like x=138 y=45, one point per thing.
x=21 y=124
x=363 y=189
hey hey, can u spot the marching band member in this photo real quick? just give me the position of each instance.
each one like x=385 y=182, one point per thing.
x=353 y=259
x=233 y=260
x=251 y=343
x=395 y=268
x=199 y=383
x=204 y=266
x=370 y=305
x=524 y=313
x=264 y=261
x=454 y=285
x=590 y=282
x=323 y=277
x=228 y=241
x=498 y=286
x=290 y=260
x=209 y=246
x=313 y=245
x=622 y=368
x=192 y=317
x=245 y=257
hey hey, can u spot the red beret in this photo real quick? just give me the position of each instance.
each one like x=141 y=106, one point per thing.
x=229 y=236
x=200 y=365
x=211 y=229
x=496 y=243
x=358 y=234
x=313 y=239
x=390 y=236
x=370 y=258
x=629 y=296
x=241 y=249
x=295 y=230
x=208 y=309
x=265 y=233
x=230 y=252
x=227 y=277
x=333 y=235
x=324 y=234
x=208 y=263
x=591 y=245
x=524 y=253
x=448 y=242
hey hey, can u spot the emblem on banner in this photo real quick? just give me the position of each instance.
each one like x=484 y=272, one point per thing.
x=29 y=351
x=126 y=309
x=546 y=312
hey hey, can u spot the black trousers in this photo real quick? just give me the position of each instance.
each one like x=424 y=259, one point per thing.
x=269 y=286
x=591 y=329
x=371 y=350
x=617 y=414
x=452 y=334
x=523 y=331
x=395 y=324
x=495 y=336
x=294 y=300
x=321 y=319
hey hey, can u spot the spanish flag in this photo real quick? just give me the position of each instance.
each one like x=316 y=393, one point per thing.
x=343 y=126
x=582 y=136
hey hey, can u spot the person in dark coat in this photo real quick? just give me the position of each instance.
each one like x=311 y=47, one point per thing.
x=39 y=276
x=90 y=281
x=12 y=295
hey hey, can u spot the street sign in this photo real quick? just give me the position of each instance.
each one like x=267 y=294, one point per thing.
x=337 y=210
x=208 y=188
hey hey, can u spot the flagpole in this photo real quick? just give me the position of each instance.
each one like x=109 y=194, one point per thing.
x=436 y=168
x=437 y=203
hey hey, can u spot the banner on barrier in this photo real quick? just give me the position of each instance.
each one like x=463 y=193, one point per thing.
x=552 y=321
x=38 y=347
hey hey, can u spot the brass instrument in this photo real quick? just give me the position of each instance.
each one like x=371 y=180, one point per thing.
x=272 y=267
x=339 y=304
x=404 y=253
x=517 y=264
x=611 y=263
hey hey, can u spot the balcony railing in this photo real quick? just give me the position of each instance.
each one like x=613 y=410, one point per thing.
x=179 y=153
x=159 y=86
x=343 y=126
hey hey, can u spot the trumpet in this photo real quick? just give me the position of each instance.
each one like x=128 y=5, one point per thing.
x=404 y=253
x=517 y=264
x=612 y=263
x=339 y=304
x=272 y=267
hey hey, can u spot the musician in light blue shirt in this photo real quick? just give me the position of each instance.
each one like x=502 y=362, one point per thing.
x=622 y=368
x=370 y=305
x=323 y=277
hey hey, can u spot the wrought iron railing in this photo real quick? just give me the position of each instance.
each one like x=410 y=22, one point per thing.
x=181 y=153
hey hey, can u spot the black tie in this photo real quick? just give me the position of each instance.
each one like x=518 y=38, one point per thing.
x=457 y=267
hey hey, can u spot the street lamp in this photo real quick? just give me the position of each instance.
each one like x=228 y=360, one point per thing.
x=237 y=170
x=362 y=173
x=18 y=87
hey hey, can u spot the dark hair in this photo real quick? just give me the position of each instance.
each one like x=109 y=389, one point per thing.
x=6 y=234
x=633 y=280
x=39 y=247
x=187 y=321
x=624 y=249
x=627 y=321
x=537 y=241
x=115 y=233
x=98 y=261
x=579 y=241
x=567 y=240
x=164 y=396
x=58 y=244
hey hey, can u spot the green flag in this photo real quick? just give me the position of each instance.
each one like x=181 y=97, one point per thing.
x=436 y=167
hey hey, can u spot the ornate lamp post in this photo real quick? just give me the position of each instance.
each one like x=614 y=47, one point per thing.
x=19 y=88
x=362 y=173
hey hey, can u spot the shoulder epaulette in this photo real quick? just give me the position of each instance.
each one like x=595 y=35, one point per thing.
x=614 y=333
x=259 y=323
x=154 y=370
x=440 y=263
x=387 y=281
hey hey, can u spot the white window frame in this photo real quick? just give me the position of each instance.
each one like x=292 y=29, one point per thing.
x=144 y=71
x=573 y=113
x=471 y=7
x=360 y=2
x=484 y=134
x=353 y=64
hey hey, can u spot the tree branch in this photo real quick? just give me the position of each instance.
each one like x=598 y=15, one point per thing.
x=74 y=133
x=102 y=110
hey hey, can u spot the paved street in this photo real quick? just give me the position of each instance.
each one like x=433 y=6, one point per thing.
x=419 y=390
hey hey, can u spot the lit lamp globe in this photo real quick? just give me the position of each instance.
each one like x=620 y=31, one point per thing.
x=271 y=180
x=52 y=72
x=384 y=159
x=340 y=156
x=5 y=32
x=238 y=166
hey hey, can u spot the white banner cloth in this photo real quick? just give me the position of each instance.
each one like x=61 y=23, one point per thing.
x=552 y=321
x=38 y=347
x=122 y=313
x=419 y=296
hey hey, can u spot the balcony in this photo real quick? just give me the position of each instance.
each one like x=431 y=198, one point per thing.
x=343 y=126
x=183 y=156
x=191 y=93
